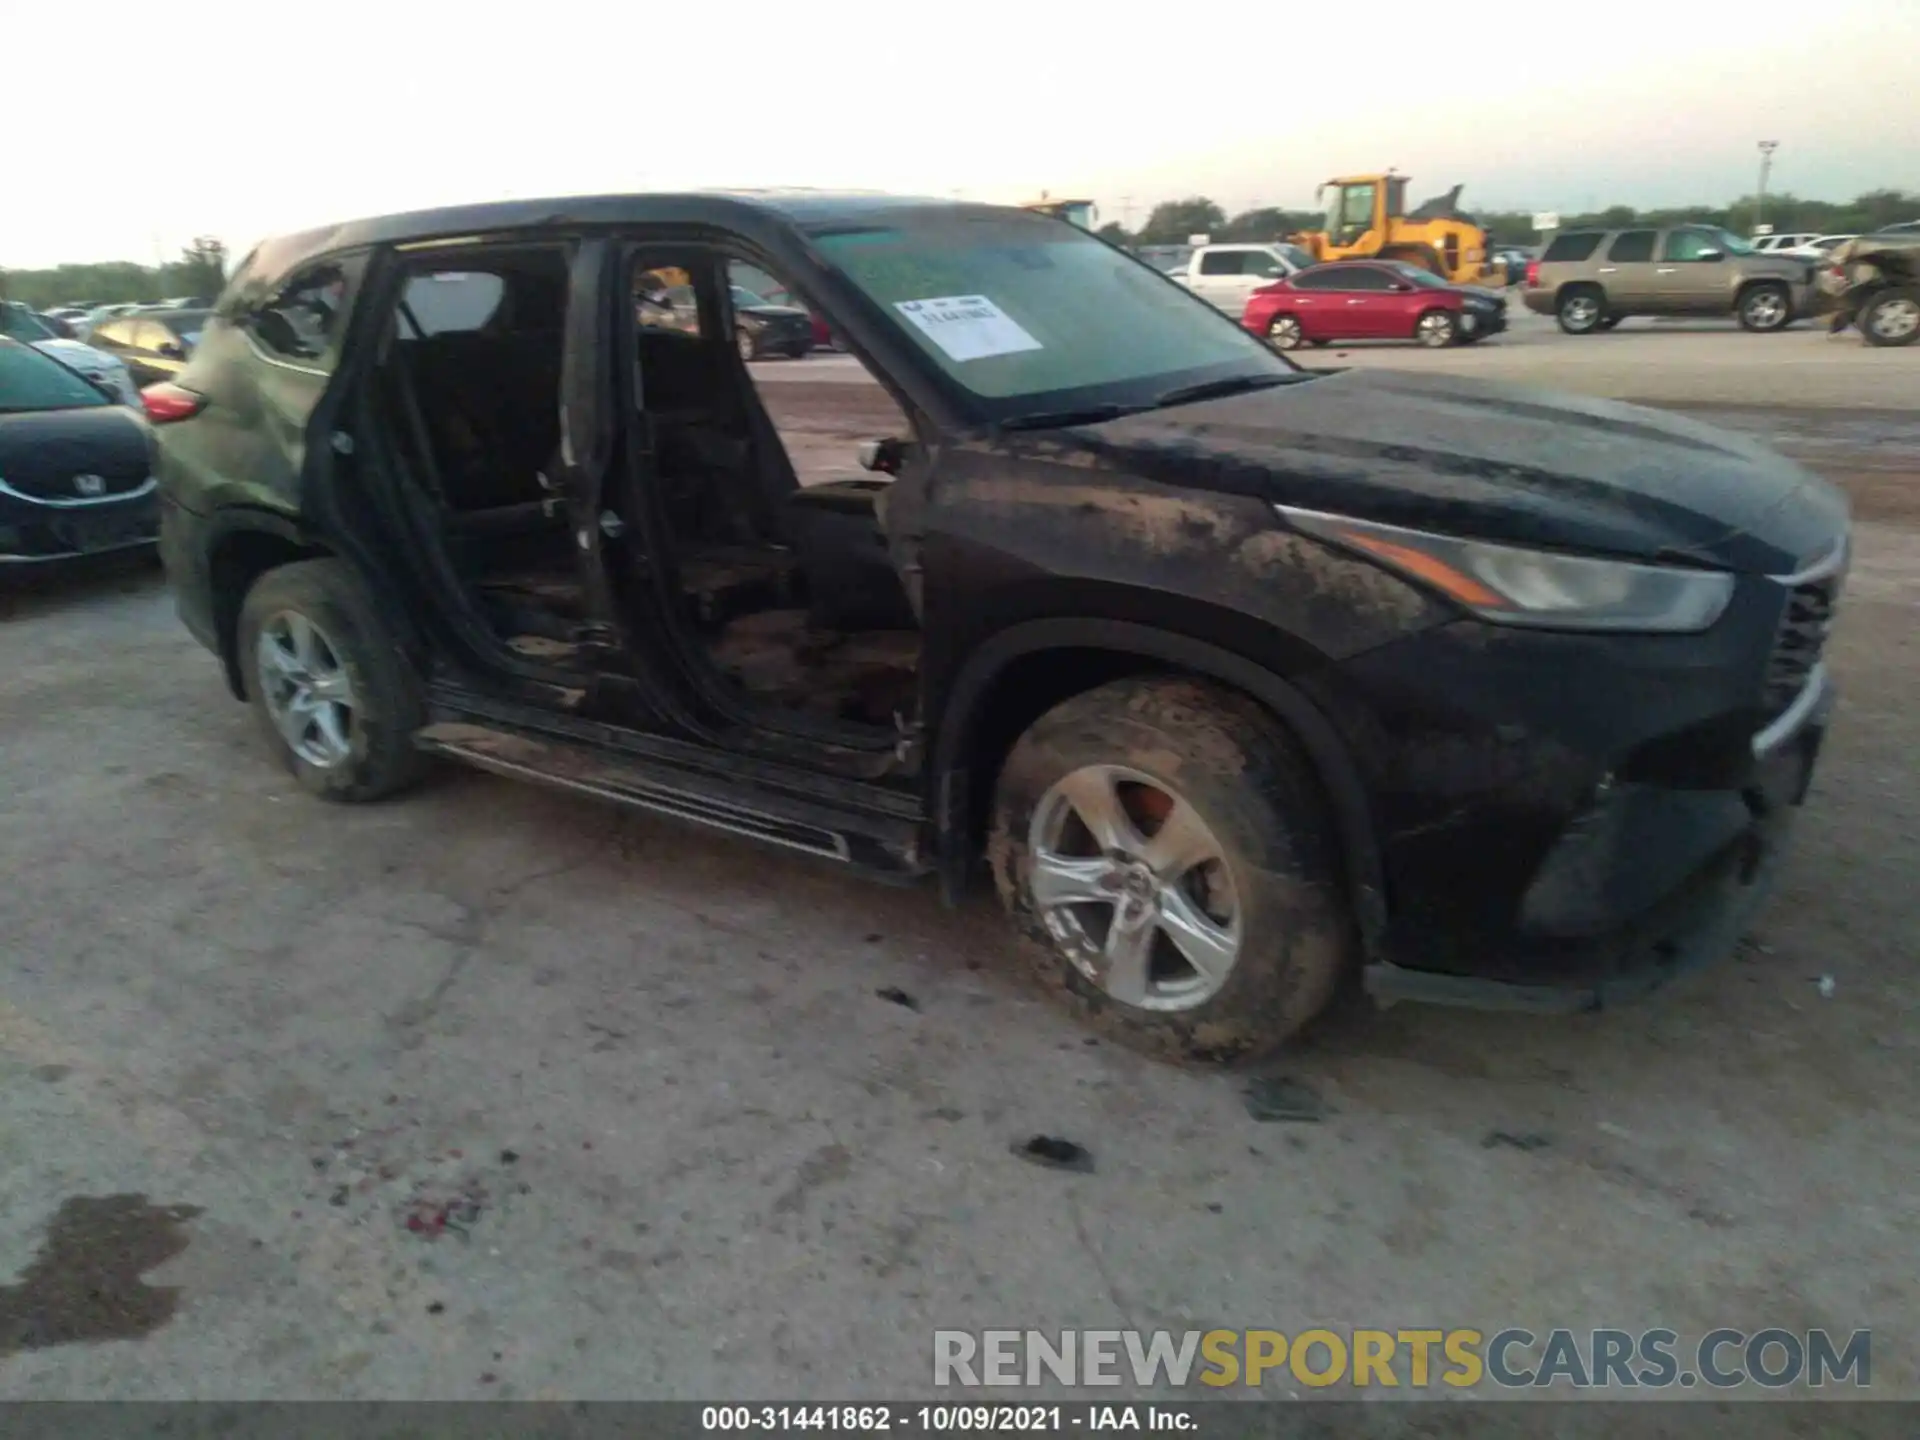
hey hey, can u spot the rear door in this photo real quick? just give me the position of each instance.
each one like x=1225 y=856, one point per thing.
x=1366 y=305
x=1316 y=305
x=1626 y=270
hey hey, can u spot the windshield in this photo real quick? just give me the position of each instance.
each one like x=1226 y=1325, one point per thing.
x=30 y=381
x=745 y=299
x=1028 y=315
x=20 y=323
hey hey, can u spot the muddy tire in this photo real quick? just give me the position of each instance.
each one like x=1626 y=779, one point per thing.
x=1581 y=309
x=1891 y=317
x=330 y=689
x=1765 y=307
x=1165 y=851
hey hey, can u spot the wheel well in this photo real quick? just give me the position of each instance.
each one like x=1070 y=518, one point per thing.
x=1748 y=286
x=238 y=560
x=1575 y=287
x=1025 y=690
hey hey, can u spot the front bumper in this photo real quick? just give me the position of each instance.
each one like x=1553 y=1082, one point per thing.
x=1482 y=322
x=36 y=531
x=1570 y=819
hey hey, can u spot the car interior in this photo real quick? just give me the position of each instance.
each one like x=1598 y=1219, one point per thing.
x=787 y=591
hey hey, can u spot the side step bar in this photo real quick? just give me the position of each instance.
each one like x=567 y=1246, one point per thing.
x=887 y=846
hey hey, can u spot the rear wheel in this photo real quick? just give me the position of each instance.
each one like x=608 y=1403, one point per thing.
x=1892 y=317
x=1582 y=310
x=331 y=691
x=1436 y=329
x=1163 y=847
x=1285 y=334
x=1765 y=307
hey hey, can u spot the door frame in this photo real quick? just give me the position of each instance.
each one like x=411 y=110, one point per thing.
x=731 y=718
x=396 y=493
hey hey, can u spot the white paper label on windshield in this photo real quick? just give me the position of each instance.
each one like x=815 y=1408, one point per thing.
x=967 y=327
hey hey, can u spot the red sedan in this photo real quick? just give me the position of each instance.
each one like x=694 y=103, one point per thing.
x=1372 y=300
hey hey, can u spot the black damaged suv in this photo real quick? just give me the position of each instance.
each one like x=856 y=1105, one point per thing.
x=1241 y=678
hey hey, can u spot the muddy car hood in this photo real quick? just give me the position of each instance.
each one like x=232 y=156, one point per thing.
x=1491 y=461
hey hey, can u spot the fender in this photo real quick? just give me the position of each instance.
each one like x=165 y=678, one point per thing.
x=230 y=520
x=1359 y=845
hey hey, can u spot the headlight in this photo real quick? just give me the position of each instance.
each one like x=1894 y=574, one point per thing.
x=1512 y=586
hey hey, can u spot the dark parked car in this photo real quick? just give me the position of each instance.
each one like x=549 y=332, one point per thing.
x=1236 y=676
x=1372 y=300
x=154 y=344
x=76 y=465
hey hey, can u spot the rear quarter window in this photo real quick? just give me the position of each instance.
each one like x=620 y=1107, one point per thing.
x=1571 y=248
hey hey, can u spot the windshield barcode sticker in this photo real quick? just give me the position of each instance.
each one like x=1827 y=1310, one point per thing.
x=967 y=327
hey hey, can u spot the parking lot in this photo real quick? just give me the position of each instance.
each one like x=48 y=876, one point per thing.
x=494 y=1093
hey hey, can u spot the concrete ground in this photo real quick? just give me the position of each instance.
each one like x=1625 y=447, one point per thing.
x=491 y=1092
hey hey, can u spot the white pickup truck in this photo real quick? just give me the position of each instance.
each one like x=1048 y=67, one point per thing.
x=1225 y=275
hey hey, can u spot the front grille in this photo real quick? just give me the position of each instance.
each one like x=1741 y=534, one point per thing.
x=1801 y=638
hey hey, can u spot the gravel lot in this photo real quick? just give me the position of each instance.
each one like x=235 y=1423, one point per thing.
x=492 y=1092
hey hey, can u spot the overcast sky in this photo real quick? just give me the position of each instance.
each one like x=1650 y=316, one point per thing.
x=260 y=118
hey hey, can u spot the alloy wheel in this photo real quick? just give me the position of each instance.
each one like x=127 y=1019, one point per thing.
x=1284 y=332
x=1766 y=310
x=1434 y=330
x=307 y=690
x=1895 y=319
x=1134 y=887
x=1582 y=312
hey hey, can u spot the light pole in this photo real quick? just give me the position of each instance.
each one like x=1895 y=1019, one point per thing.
x=1767 y=147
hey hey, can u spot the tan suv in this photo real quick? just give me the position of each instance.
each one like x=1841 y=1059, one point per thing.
x=1593 y=279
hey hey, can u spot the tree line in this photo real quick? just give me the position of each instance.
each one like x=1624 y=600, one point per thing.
x=202 y=266
x=1171 y=223
x=200 y=270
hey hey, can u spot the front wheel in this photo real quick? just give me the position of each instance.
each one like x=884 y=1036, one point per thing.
x=1163 y=847
x=1765 y=307
x=329 y=687
x=748 y=346
x=1436 y=329
x=1284 y=332
x=1892 y=317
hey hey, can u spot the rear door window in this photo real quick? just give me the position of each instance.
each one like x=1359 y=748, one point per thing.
x=1630 y=247
x=1571 y=248
x=446 y=302
x=1221 y=262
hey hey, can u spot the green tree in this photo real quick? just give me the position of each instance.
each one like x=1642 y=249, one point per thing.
x=201 y=269
x=1174 y=220
x=1115 y=232
x=1267 y=224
